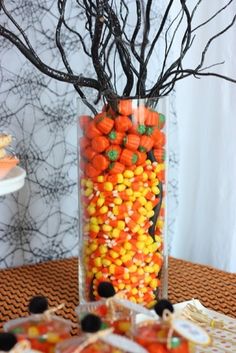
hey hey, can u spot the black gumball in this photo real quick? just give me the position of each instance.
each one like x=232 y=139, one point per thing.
x=91 y=323
x=7 y=341
x=38 y=304
x=106 y=290
x=161 y=305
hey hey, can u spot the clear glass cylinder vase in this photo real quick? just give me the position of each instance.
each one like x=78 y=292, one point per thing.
x=122 y=198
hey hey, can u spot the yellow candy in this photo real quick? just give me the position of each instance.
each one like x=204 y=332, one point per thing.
x=145 y=176
x=121 y=286
x=138 y=170
x=115 y=211
x=152 y=176
x=149 y=240
x=33 y=332
x=118 y=262
x=133 y=299
x=115 y=233
x=147 y=280
x=149 y=206
x=112 y=269
x=93 y=220
x=114 y=254
x=127 y=182
x=106 y=228
x=129 y=192
x=134 y=280
x=118 y=201
x=126 y=275
x=106 y=262
x=100 y=178
x=142 y=200
x=91 y=210
x=127 y=246
x=103 y=209
x=88 y=192
x=142 y=211
x=121 y=225
x=149 y=269
x=98 y=275
x=143 y=290
x=126 y=258
x=94 y=228
x=98 y=262
x=53 y=337
x=153 y=247
x=120 y=178
x=89 y=183
x=83 y=182
x=93 y=246
x=102 y=249
x=137 y=194
x=133 y=268
x=120 y=187
x=108 y=186
x=160 y=223
x=150 y=214
x=140 y=271
x=156 y=268
x=136 y=228
x=128 y=174
x=122 y=251
x=155 y=190
x=100 y=201
x=140 y=245
x=134 y=291
x=141 y=219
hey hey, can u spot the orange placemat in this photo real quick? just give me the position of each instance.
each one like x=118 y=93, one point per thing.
x=58 y=281
x=215 y=289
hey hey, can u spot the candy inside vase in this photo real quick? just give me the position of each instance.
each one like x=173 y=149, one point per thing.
x=122 y=200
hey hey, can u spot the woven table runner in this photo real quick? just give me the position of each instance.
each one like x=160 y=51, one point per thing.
x=58 y=281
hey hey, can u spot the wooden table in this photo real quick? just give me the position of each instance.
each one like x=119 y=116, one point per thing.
x=58 y=281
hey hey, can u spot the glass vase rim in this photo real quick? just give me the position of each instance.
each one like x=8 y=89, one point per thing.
x=134 y=98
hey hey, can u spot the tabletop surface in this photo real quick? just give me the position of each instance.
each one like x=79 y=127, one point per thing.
x=58 y=281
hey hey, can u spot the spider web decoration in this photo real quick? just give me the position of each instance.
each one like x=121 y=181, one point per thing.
x=40 y=222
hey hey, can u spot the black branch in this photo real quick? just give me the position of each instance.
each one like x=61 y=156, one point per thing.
x=120 y=41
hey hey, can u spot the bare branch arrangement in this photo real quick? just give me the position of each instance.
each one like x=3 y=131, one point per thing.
x=122 y=38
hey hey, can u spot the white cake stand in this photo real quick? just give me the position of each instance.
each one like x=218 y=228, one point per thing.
x=13 y=181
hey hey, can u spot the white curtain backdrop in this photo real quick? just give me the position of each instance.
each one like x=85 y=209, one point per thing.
x=206 y=112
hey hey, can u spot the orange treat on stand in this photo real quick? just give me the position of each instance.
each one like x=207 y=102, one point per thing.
x=7 y=163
